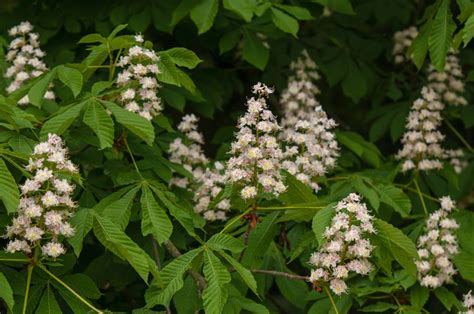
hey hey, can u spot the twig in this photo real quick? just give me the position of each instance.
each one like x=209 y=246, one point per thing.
x=280 y=274
x=156 y=253
x=421 y=197
x=200 y=281
x=459 y=136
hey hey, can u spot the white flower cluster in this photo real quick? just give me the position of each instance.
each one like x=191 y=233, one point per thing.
x=347 y=247
x=468 y=303
x=403 y=40
x=449 y=83
x=256 y=154
x=207 y=182
x=437 y=246
x=312 y=149
x=139 y=75
x=25 y=58
x=456 y=158
x=422 y=141
x=46 y=204
x=208 y=187
x=188 y=153
x=299 y=98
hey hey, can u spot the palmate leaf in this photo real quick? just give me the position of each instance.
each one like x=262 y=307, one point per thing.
x=60 y=122
x=138 y=125
x=222 y=241
x=203 y=14
x=285 y=22
x=100 y=122
x=441 y=34
x=254 y=52
x=48 y=303
x=172 y=279
x=114 y=239
x=6 y=293
x=217 y=275
x=244 y=273
x=70 y=77
x=82 y=223
x=182 y=215
x=183 y=57
x=400 y=245
x=119 y=210
x=9 y=193
x=321 y=220
x=260 y=239
x=37 y=91
x=154 y=218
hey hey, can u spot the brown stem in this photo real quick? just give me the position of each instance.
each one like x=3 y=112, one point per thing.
x=200 y=281
x=280 y=273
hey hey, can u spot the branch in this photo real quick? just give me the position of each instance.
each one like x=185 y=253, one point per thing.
x=281 y=274
x=198 y=278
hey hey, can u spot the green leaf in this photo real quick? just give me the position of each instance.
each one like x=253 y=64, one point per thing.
x=297 y=191
x=37 y=91
x=91 y=38
x=229 y=41
x=100 y=122
x=321 y=220
x=244 y=273
x=83 y=285
x=59 y=123
x=366 y=192
x=183 y=216
x=48 y=304
x=465 y=264
x=260 y=239
x=203 y=14
x=138 y=125
x=154 y=219
x=419 y=47
x=6 y=292
x=114 y=239
x=217 y=275
x=243 y=8
x=468 y=30
x=354 y=83
x=172 y=277
x=401 y=247
x=299 y=12
x=362 y=148
x=119 y=211
x=419 y=296
x=222 y=241
x=395 y=198
x=285 y=22
x=82 y=223
x=9 y=193
x=447 y=298
x=254 y=52
x=442 y=31
x=184 y=57
x=70 y=77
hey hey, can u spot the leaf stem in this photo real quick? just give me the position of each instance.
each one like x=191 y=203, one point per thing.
x=416 y=191
x=131 y=156
x=236 y=219
x=27 y=290
x=69 y=289
x=280 y=274
x=331 y=299
x=421 y=196
x=20 y=260
x=459 y=136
